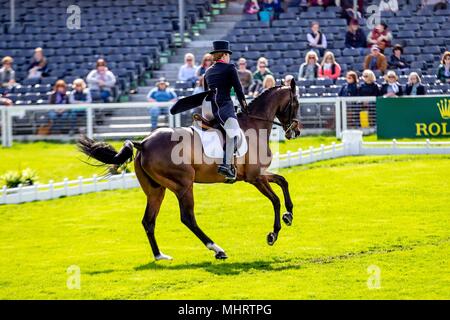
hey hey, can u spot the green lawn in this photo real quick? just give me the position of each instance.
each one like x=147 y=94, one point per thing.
x=350 y=214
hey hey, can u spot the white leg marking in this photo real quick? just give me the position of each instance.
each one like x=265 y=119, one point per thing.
x=214 y=247
x=162 y=256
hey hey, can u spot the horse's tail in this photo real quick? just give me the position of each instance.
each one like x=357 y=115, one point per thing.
x=105 y=153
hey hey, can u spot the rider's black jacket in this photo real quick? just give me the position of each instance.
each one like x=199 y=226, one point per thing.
x=223 y=77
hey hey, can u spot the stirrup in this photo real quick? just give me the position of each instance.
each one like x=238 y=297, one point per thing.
x=225 y=170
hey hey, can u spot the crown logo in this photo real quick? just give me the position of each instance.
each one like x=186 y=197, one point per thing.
x=444 y=108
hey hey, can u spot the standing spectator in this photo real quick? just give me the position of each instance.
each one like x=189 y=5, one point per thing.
x=350 y=89
x=317 y=41
x=369 y=86
x=355 y=37
x=7 y=75
x=391 y=87
x=414 y=87
x=206 y=63
x=380 y=36
x=375 y=60
x=161 y=93
x=329 y=68
x=310 y=69
x=60 y=117
x=443 y=73
x=80 y=93
x=101 y=82
x=269 y=82
x=251 y=7
x=397 y=61
x=261 y=72
x=38 y=67
x=245 y=75
x=187 y=71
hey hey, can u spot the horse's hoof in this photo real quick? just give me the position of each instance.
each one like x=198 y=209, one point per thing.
x=287 y=218
x=271 y=238
x=162 y=256
x=221 y=255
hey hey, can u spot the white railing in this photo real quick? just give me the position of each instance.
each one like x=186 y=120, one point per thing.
x=290 y=159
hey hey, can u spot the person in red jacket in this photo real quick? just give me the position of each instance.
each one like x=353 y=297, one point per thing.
x=329 y=68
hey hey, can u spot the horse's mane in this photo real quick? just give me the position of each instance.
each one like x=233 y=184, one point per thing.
x=262 y=96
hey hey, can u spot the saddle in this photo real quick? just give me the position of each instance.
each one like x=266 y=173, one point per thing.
x=205 y=124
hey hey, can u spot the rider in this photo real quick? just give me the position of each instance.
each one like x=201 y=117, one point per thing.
x=221 y=77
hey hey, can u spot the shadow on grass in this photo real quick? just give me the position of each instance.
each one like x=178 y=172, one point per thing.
x=224 y=268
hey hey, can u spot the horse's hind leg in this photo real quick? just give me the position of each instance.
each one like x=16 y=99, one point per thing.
x=186 y=202
x=281 y=181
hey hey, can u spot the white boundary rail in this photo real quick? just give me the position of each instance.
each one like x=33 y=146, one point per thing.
x=127 y=181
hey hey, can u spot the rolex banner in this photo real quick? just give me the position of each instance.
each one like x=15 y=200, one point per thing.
x=413 y=117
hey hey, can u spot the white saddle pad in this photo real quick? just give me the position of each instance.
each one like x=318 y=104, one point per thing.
x=212 y=142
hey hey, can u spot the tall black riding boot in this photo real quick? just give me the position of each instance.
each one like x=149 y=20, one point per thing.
x=227 y=168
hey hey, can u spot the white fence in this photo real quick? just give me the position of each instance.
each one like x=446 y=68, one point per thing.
x=349 y=147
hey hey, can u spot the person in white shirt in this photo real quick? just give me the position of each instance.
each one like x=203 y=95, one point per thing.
x=188 y=71
x=101 y=82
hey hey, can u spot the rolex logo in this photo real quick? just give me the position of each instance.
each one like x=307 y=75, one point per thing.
x=444 y=108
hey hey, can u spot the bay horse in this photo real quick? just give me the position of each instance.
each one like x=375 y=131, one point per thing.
x=156 y=171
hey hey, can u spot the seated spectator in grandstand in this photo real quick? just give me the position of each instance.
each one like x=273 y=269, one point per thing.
x=443 y=73
x=323 y=3
x=397 y=61
x=414 y=87
x=329 y=68
x=38 y=67
x=380 y=36
x=261 y=72
x=60 y=118
x=355 y=36
x=7 y=75
x=80 y=93
x=269 y=82
x=369 y=86
x=206 y=63
x=348 y=9
x=317 y=41
x=375 y=60
x=350 y=89
x=245 y=75
x=269 y=10
x=187 y=71
x=5 y=102
x=101 y=82
x=161 y=93
x=436 y=4
x=391 y=87
x=388 y=5
x=251 y=7
x=310 y=69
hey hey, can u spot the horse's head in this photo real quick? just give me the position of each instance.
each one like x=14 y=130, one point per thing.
x=287 y=114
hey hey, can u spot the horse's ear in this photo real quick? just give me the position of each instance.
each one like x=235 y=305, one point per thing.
x=293 y=86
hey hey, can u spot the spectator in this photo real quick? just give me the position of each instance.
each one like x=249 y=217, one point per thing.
x=310 y=69
x=414 y=87
x=206 y=63
x=322 y=3
x=245 y=75
x=101 y=82
x=161 y=93
x=443 y=73
x=348 y=9
x=60 y=117
x=80 y=93
x=380 y=36
x=258 y=77
x=436 y=4
x=375 y=60
x=269 y=82
x=391 y=87
x=329 y=68
x=199 y=86
x=369 y=87
x=251 y=7
x=388 y=5
x=317 y=41
x=38 y=67
x=5 y=102
x=7 y=74
x=350 y=89
x=355 y=37
x=187 y=71
x=397 y=61
x=287 y=82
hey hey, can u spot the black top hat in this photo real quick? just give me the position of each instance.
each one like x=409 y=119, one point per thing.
x=221 y=46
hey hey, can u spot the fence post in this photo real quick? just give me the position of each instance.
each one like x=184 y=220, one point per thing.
x=177 y=120
x=344 y=115
x=89 y=122
x=428 y=145
x=66 y=187
x=4 y=129
x=337 y=110
x=19 y=193
x=95 y=182
x=51 y=189
x=394 y=146
x=333 y=150
x=322 y=152
x=36 y=192
x=289 y=159
x=124 y=183
x=80 y=185
x=4 y=189
x=311 y=154
x=300 y=156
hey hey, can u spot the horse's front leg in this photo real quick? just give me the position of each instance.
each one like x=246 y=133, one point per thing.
x=262 y=184
x=282 y=182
